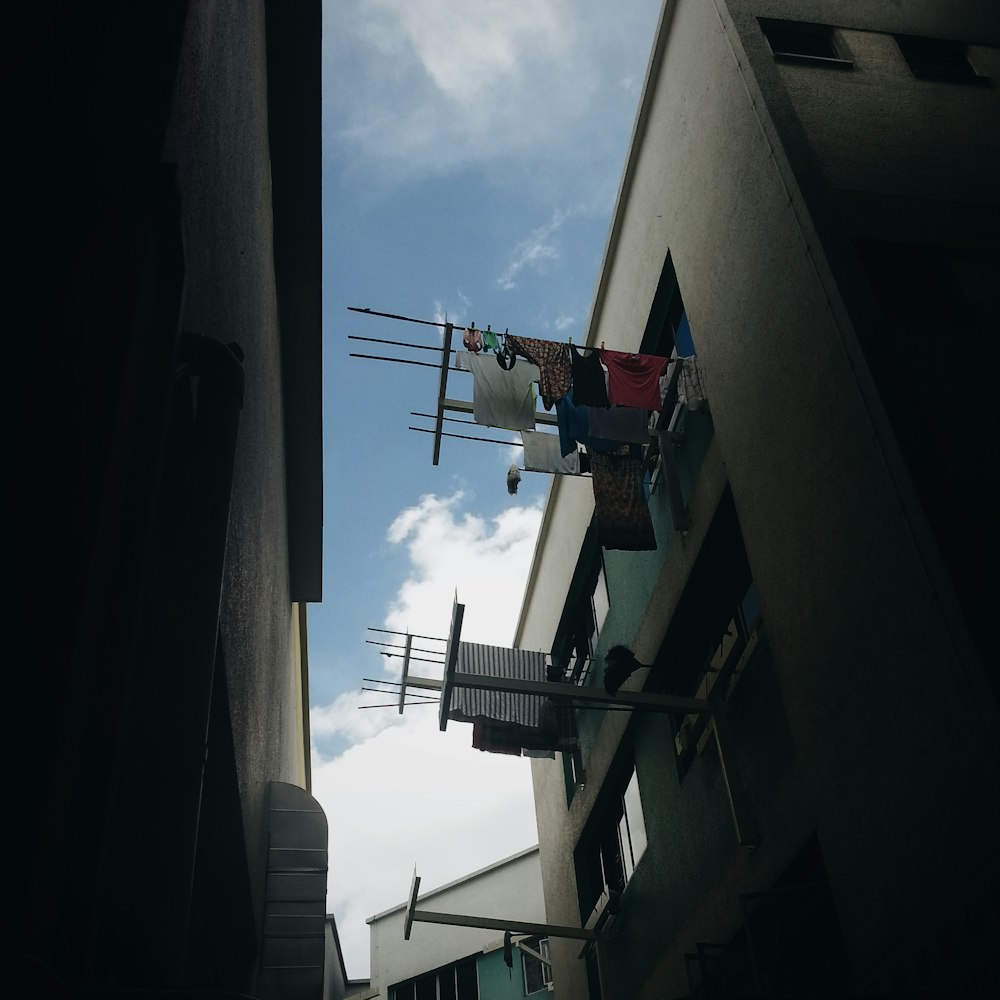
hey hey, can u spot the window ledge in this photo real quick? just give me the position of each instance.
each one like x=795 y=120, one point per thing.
x=829 y=61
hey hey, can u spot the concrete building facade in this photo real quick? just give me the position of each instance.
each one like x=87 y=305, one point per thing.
x=812 y=188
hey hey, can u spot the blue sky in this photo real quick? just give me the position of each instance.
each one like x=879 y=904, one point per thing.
x=472 y=154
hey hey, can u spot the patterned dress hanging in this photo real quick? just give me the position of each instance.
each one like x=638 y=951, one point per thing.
x=555 y=374
x=623 y=519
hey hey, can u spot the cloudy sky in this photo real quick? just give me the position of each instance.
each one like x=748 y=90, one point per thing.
x=472 y=153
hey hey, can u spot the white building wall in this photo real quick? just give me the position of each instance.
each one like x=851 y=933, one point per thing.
x=511 y=888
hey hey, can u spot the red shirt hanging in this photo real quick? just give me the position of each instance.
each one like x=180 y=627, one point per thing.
x=634 y=379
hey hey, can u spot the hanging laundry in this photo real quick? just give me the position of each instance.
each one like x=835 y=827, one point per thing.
x=557 y=723
x=490 y=340
x=556 y=731
x=473 y=339
x=665 y=380
x=574 y=424
x=463 y=360
x=574 y=428
x=470 y=704
x=552 y=358
x=589 y=385
x=690 y=388
x=619 y=423
x=619 y=664
x=543 y=453
x=514 y=475
x=530 y=725
x=623 y=519
x=683 y=339
x=497 y=737
x=634 y=379
x=510 y=738
x=501 y=398
x=506 y=358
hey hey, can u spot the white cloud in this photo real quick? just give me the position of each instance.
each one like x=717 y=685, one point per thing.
x=343 y=719
x=425 y=86
x=406 y=793
x=485 y=559
x=534 y=251
x=415 y=796
x=564 y=322
x=470 y=50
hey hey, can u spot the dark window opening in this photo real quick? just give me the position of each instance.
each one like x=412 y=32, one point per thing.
x=537 y=975
x=668 y=330
x=587 y=605
x=427 y=987
x=938 y=59
x=713 y=627
x=797 y=41
x=615 y=840
x=667 y=322
x=719 y=584
x=466 y=980
x=457 y=981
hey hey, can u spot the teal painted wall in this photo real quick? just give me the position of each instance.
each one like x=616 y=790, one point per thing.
x=632 y=575
x=497 y=982
x=688 y=822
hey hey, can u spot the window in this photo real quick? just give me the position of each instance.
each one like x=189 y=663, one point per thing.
x=711 y=629
x=796 y=41
x=600 y=600
x=667 y=326
x=938 y=59
x=608 y=854
x=668 y=331
x=587 y=604
x=631 y=829
x=537 y=975
x=458 y=981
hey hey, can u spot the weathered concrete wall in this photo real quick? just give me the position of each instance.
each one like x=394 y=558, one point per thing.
x=219 y=139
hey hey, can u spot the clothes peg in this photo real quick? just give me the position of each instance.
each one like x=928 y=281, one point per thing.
x=602 y=345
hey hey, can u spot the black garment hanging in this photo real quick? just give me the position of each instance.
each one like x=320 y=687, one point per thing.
x=506 y=359
x=589 y=386
x=619 y=664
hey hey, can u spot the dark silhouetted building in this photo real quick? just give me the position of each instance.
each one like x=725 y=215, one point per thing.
x=162 y=172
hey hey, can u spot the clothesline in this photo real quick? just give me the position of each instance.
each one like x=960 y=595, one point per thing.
x=601 y=401
x=443 y=324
